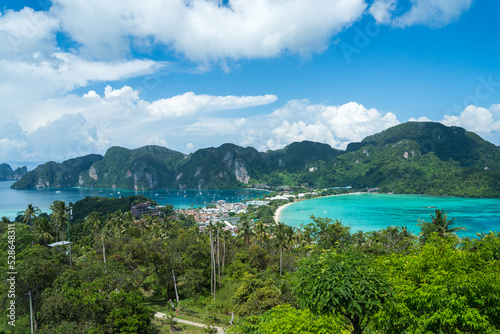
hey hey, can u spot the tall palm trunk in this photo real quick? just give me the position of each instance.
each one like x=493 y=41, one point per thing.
x=103 y=250
x=281 y=258
x=211 y=264
x=218 y=256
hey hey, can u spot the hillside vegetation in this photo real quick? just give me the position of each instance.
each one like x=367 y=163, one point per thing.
x=321 y=277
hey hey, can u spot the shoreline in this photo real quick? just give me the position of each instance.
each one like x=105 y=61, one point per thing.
x=278 y=211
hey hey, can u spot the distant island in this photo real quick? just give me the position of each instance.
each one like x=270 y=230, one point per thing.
x=6 y=172
x=410 y=158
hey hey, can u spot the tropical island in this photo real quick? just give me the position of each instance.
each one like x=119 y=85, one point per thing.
x=7 y=173
x=410 y=158
x=128 y=265
x=250 y=167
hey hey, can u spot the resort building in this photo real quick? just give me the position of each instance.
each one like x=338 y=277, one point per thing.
x=145 y=209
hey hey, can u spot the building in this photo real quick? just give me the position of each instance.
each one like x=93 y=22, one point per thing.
x=145 y=209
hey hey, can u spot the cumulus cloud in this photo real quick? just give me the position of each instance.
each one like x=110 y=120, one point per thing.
x=61 y=128
x=420 y=119
x=67 y=137
x=12 y=140
x=26 y=32
x=190 y=103
x=434 y=13
x=476 y=119
x=206 y=30
x=300 y=120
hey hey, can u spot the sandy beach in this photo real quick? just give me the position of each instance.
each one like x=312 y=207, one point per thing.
x=279 y=209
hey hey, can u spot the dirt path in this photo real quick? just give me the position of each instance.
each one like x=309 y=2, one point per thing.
x=187 y=322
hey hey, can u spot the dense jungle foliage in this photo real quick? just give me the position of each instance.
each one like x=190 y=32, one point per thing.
x=319 y=278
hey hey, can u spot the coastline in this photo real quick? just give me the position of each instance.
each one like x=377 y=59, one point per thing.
x=280 y=209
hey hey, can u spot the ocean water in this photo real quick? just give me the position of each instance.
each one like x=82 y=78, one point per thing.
x=12 y=201
x=370 y=212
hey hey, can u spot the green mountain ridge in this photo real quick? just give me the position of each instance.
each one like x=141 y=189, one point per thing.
x=6 y=172
x=57 y=175
x=414 y=157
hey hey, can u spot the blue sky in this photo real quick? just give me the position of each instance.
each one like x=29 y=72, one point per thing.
x=77 y=77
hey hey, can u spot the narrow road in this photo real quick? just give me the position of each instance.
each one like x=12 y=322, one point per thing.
x=187 y=322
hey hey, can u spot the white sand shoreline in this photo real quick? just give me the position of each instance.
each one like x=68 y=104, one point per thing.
x=280 y=209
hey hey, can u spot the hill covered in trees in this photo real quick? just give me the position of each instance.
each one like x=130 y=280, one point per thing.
x=414 y=157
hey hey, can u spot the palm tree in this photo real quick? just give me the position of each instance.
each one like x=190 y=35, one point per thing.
x=439 y=224
x=43 y=231
x=30 y=213
x=5 y=220
x=149 y=223
x=59 y=216
x=289 y=237
x=246 y=230
x=119 y=223
x=129 y=219
x=281 y=238
x=260 y=231
x=94 y=222
x=298 y=237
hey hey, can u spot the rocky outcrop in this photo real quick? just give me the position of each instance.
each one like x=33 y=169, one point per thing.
x=6 y=172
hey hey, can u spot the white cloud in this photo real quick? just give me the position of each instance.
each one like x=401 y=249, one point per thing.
x=63 y=72
x=475 y=119
x=420 y=119
x=61 y=128
x=26 y=32
x=204 y=30
x=67 y=137
x=189 y=103
x=27 y=84
x=156 y=140
x=299 y=120
x=434 y=13
x=381 y=10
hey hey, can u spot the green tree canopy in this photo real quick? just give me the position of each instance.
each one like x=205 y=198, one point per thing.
x=350 y=284
x=439 y=224
x=442 y=289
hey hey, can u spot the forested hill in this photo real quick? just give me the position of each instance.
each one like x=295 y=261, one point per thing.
x=414 y=157
x=6 y=172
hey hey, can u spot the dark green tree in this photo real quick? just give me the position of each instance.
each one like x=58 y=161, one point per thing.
x=350 y=284
x=328 y=233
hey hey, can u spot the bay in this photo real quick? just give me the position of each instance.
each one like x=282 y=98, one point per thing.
x=371 y=212
x=12 y=201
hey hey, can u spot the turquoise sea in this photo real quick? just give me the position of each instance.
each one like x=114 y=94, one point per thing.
x=370 y=212
x=12 y=201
